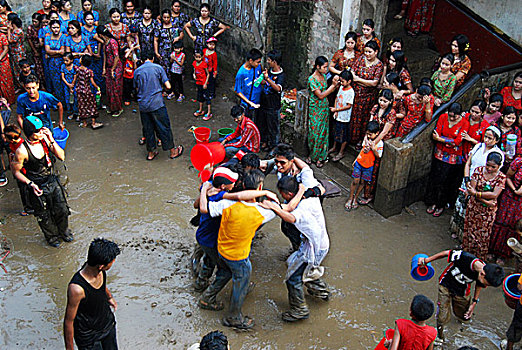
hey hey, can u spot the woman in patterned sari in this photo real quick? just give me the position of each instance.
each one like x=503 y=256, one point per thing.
x=205 y=26
x=318 y=112
x=367 y=71
x=487 y=182
x=419 y=17
x=15 y=35
x=6 y=83
x=88 y=32
x=112 y=70
x=76 y=43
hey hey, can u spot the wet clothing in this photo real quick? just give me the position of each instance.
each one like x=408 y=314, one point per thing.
x=94 y=321
x=459 y=275
x=207 y=232
x=446 y=301
x=413 y=336
x=40 y=108
x=245 y=84
x=50 y=209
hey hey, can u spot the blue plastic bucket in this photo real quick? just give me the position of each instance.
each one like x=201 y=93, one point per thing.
x=511 y=292
x=421 y=273
x=61 y=136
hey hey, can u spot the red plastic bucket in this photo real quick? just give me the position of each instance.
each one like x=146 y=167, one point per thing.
x=511 y=292
x=204 y=154
x=388 y=335
x=202 y=134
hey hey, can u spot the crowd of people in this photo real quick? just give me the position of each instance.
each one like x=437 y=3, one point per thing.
x=365 y=88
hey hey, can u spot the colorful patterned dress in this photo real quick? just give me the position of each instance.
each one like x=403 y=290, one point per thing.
x=463 y=66
x=479 y=218
x=80 y=17
x=413 y=114
x=180 y=20
x=119 y=34
x=419 y=17
x=16 y=53
x=404 y=79
x=146 y=36
x=365 y=97
x=65 y=22
x=114 y=84
x=203 y=32
x=6 y=83
x=166 y=38
x=55 y=65
x=97 y=63
x=443 y=89
x=509 y=212
x=509 y=100
x=341 y=62
x=514 y=130
x=32 y=36
x=125 y=19
x=359 y=45
x=318 y=117
x=76 y=47
x=86 y=100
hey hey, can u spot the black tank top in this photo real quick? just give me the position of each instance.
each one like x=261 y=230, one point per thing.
x=37 y=170
x=94 y=318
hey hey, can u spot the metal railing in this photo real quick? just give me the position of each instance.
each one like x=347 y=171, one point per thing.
x=419 y=128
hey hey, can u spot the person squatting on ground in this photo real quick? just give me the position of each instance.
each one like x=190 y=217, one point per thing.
x=88 y=319
x=303 y=264
x=246 y=131
x=45 y=193
x=455 y=285
x=239 y=223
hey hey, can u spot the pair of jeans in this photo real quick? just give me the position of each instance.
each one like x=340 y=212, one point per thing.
x=240 y=271
x=109 y=342
x=176 y=80
x=268 y=123
x=210 y=261
x=157 y=122
x=231 y=151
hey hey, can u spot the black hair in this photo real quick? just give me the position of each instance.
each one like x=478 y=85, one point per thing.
x=84 y=1
x=198 y=51
x=496 y=158
x=69 y=55
x=203 y=5
x=347 y=75
x=219 y=180
x=23 y=62
x=63 y=2
x=102 y=30
x=236 y=111
x=372 y=44
x=254 y=54
x=53 y=22
x=178 y=44
x=113 y=11
x=76 y=25
x=11 y=16
x=102 y=252
x=288 y=184
x=509 y=110
x=455 y=108
x=174 y=1
x=400 y=60
x=251 y=160
x=53 y=13
x=37 y=16
x=424 y=90
x=253 y=179
x=284 y=150
x=369 y=22
x=4 y=3
x=31 y=78
x=387 y=94
x=518 y=75
x=12 y=129
x=57 y=4
x=166 y=11
x=425 y=81
x=215 y=340
x=462 y=43
x=146 y=55
x=44 y=17
x=422 y=307
x=391 y=42
x=147 y=7
x=393 y=78
x=319 y=61
x=496 y=97
x=349 y=35
x=373 y=127
x=494 y=273
x=125 y=2
x=88 y=13
x=86 y=60
x=480 y=104
x=450 y=57
x=275 y=55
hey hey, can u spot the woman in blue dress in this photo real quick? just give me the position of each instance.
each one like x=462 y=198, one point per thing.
x=54 y=50
x=87 y=7
x=89 y=34
x=165 y=35
x=146 y=31
x=68 y=71
x=76 y=43
x=66 y=15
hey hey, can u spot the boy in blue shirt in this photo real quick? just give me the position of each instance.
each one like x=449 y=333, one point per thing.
x=245 y=86
x=38 y=104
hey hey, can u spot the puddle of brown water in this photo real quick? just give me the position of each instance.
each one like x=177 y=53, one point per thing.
x=146 y=206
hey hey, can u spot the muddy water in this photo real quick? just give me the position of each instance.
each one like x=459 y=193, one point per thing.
x=145 y=206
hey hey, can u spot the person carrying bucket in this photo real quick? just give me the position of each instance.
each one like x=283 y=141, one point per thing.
x=455 y=285
x=514 y=332
x=246 y=131
x=44 y=192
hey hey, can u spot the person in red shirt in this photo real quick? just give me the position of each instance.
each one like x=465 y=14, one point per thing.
x=46 y=4
x=210 y=57
x=513 y=94
x=415 y=334
x=447 y=165
x=477 y=127
x=246 y=131
x=201 y=76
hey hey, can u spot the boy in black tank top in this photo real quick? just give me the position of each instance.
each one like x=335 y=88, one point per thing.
x=88 y=316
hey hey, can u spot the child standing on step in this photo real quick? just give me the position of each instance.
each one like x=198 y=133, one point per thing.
x=210 y=56
x=342 y=113
x=201 y=76
x=363 y=165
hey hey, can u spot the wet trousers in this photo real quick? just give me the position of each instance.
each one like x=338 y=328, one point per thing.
x=292 y=233
x=50 y=209
x=109 y=342
x=157 y=122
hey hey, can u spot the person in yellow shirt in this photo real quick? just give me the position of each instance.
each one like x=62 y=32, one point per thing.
x=239 y=223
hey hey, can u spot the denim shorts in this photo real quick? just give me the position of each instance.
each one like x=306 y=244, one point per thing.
x=363 y=173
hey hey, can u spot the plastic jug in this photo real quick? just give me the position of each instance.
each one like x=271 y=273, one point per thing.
x=511 y=146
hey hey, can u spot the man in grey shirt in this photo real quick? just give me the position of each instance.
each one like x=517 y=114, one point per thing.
x=149 y=79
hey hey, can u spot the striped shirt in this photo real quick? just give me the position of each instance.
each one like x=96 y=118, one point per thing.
x=249 y=133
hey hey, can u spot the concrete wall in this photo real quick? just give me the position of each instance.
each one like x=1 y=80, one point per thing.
x=504 y=14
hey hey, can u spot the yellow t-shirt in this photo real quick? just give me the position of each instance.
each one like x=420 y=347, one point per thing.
x=239 y=223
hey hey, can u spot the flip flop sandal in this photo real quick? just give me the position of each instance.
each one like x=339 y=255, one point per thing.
x=154 y=154
x=217 y=306
x=207 y=116
x=364 y=201
x=180 y=152
x=430 y=210
x=347 y=206
x=337 y=158
x=96 y=126
x=308 y=161
x=355 y=206
x=320 y=163
x=141 y=142
x=438 y=212
x=246 y=323
x=198 y=113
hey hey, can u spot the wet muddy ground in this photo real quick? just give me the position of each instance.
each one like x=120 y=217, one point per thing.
x=146 y=207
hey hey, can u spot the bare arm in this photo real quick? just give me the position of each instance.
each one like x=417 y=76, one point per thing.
x=203 y=201
x=250 y=194
x=189 y=33
x=396 y=339
x=443 y=254
x=283 y=214
x=75 y=294
x=248 y=102
x=294 y=202
x=222 y=28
